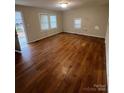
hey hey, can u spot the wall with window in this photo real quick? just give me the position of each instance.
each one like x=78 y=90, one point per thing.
x=87 y=20
x=37 y=29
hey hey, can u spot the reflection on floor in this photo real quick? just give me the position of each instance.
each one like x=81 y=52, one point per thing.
x=22 y=39
x=63 y=63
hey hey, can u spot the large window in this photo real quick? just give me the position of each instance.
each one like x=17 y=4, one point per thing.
x=48 y=21
x=53 y=22
x=44 y=22
x=77 y=23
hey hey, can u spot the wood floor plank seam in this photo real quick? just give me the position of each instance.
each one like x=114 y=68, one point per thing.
x=63 y=63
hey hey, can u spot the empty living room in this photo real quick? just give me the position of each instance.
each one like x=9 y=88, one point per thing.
x=61 y=46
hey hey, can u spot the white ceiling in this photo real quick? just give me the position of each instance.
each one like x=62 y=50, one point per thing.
x=52 y=4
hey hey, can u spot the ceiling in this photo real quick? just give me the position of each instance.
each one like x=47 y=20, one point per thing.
x=52 y=4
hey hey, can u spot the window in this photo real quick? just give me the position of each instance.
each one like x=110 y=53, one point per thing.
x=77 y=23
x=44 y=22
x=48 y=21
x=53 y=23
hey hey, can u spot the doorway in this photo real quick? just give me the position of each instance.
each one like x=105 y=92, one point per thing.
x=19 y=24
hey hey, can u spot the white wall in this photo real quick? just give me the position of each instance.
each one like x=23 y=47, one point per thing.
x=107 y=50
x=32 y=23
x=91 y=16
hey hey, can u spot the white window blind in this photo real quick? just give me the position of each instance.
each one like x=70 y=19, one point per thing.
x=53 y=22
x=44 y=21
x=48 y=21
x=77 y=23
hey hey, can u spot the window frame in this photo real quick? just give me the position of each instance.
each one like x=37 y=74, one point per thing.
x=49 y=21
x=75 y=24
x=40 y=14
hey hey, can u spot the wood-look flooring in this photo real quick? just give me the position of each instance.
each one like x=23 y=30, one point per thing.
x=63 y=63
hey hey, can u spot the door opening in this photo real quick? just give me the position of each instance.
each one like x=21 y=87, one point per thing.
x=19 y=24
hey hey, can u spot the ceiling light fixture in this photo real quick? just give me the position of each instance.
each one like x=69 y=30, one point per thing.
x=63 y=3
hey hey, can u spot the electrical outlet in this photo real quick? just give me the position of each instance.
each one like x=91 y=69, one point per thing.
x=96 y=27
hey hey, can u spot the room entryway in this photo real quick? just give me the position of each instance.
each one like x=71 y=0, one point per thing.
x=19 y=24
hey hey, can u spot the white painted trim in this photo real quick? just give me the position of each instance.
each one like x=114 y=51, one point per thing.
x=17 y=51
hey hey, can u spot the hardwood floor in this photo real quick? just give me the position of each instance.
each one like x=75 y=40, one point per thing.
x=64 y=63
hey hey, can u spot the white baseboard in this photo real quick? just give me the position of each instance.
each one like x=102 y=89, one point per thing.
x=84 y=34
x=43 y=37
